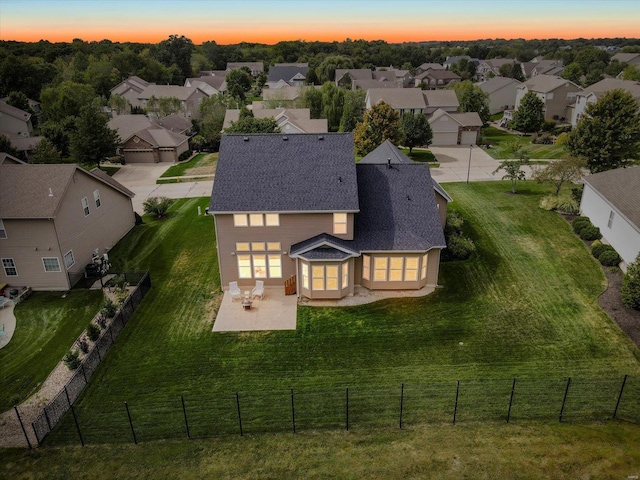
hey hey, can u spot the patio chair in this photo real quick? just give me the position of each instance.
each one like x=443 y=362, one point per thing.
x=234 y=291
x=258 y=290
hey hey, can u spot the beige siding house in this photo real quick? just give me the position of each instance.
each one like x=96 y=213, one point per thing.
x=55 y=219
x=290 y=120
x=14 y=122
x=592 y=93
x=455 y=128
x=502 y=93
x=557 y=94
x=131 y=89
x=299 y=207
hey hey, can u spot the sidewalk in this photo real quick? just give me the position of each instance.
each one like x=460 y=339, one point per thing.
x=8 y=323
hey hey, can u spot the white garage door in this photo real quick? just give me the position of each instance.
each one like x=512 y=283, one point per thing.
x=445 y=138
x=469 y=138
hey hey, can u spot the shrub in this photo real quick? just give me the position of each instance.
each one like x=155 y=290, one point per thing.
x=544 y=139
x=185 y=155
x=72 y=359
x=631 y=285
x=548 y=126
x=93 y=332
x=579 y=223
x=109 y=309
x=458 y=248
x=84 y=346
x=562 y=138
x=102 y=321
x=454 y=223
x=139 y=220
x=157 y=206
x=598 y=248
x=567 y=206
x=550 y=202
x=576 y=193
x=610 y=258
x=590 y=232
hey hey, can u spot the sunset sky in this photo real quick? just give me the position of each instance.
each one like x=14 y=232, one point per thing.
x=270 y=21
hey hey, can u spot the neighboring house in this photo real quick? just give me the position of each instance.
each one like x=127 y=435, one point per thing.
x=455 y=128
x=364 y=78
x=434 y=79
x=284 y=97
x=147 y=141
x=502 y=93
x=256 y=67
x=15 y=122
x=55 y=219
x=130 y=89
x=429 y=66
x=557 y=94
x=592 y=93
x=451 y=61
x=611 y=200
x=485 y=67
x=368 y=84
x=298 y=205
x=539 y=66
x=628 y=58
x=287 y=75
x=174 y=123
x=290 y=120
x=26 y=145
x=190 y=97
x=413 y=100
x=214 y=84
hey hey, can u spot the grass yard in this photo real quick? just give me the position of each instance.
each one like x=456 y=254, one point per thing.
x=201 y=164
x=47 y=326
x=482 y=451
x=499 y=140
x=419 y=155
x=525 y=305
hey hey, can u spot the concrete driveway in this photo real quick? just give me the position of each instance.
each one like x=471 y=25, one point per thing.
x=141 y=180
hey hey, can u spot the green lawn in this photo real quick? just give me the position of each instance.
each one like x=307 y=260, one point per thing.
x=203 y=163
x=47 y=326
x=478 y=451
x=525 y=306
x=419 y=155
x=499 y=140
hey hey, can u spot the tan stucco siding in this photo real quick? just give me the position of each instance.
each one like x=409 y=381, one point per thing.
x=27 y=243
x=293 y=228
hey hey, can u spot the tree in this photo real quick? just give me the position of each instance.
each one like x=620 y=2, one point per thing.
x=513 y=171
x=630 y=290
x=45 y=152
x=93 y=140
x=59 y=133
x=631 y=72
x=465 y=68
x=247 y=123
x=175 y=51
x=558 y=172
x=326 y=71
x=66 y=100
x=332 y=105
x=353 y=110
x=19 y=100
x=573 y=72
x=7 y=147
x=472 y=99
x=529 y=117
x=380 y=123
x=238 y=83
x=312 y=99
x=608 y=135
x=212 y=111
x=157 y=206
x=415 y=130
x=512 y=70
x=119 y=104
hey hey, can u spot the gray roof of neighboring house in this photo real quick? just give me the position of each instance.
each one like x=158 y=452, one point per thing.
x=496 y=83
x=620 y=188
x=439 y=75
x=25 y=189
x=385 y=152
x=135 y=83
x=286 y=73
x=498 y=62
x=161 y=137
x=127 y=125
x=468 y=119
x=441 y=98
x=298 y=117
x=369 y=84
x=6 y=109
x=432 y=66
x=217 y=82
x=625 y=57
x=608 y=84
x=285 y=173
x=163 y=91
x=541 y=66
x=547 y=83
x=24 y=144
x=354 y=73
x=398 y=209
x=399 y=98
x=253 y=66
x=174 y=122
x=155 y=132
x=9 y=159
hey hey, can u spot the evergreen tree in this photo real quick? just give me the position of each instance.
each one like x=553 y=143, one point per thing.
x=93 y=140
x=529 y=117
x=416 y=131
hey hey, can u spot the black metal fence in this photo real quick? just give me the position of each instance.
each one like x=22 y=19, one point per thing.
x=56 y=409
x=295 y=410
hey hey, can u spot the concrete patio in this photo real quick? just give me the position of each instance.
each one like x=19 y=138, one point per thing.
x=276 y=311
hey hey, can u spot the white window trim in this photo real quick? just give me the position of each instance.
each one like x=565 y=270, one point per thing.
x=96 y=198
x=3 y=230
x=366 y=267
x=275 y=216
x=344 y=272
x=85 y=206
x=237 y=217
x=339 y=225
x=423 y=270
x=416 y=270
x=305 y=276
x=44 y=264
x=13 y=266
x=73 y=258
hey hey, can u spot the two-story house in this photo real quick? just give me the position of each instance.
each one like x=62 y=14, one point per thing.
x=298 y=205
x=592 y=93
x=557 y=93
x=502 y=93
x=189 y=97
x=55 y=219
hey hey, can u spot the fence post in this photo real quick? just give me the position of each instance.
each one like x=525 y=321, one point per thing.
x=624 y=381
x=95 y=345
x=513 y=389
x=564 y=400
x=84 y=374
x=293 y=413
x=186 y=422
x=455 y=408
x=75 y=419
x=111 y=333
x=15 y=407
x=401 y=403
x=347 y=408
x=46 y=416
x=239 y=416
x=133 y=432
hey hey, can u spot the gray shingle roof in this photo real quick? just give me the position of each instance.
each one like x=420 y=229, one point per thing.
x=266 y=173
x=385 y=152
x=496 y=83
x=398 y=209
x=286 y=73
x=323 y=246
x=621 y=188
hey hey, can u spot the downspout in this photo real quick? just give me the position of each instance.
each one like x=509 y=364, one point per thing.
x=66 y=270
x=215 y=226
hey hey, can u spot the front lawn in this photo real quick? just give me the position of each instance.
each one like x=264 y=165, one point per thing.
x=419 y=155
x=47 y=326
x=201 y=164
x=525 y=305
x=499 y=139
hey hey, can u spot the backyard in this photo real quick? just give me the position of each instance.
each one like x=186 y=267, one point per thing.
x=524 y=306
x=499 y=140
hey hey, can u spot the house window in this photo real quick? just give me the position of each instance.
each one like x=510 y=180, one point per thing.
x=380 y=269
x=259 y=266
x=96 y=198
x=275 y=266
x=272 y=220
x=332 y=277
x=423 y=273
x=273 y=246
x=244 y=266
x=240 y=220
x=339 y=223
x=85 y=206
x=366 y=267
x=256 y=220
x=611 y=217
x=51 y=264
x=243 y=247
x=345 y=275
x=411 y=269
x=305 y=276
x=257 y=246
x=9 y=267
x=317 y=275
x=69 y=261
x=3 y=231
x=395 y=269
